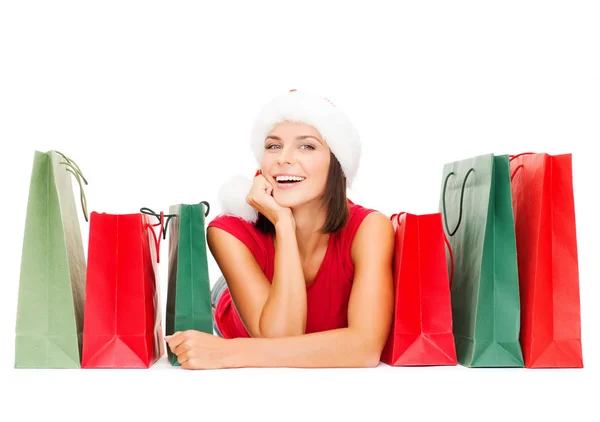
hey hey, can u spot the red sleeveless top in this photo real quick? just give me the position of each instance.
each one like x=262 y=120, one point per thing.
x=327 y=295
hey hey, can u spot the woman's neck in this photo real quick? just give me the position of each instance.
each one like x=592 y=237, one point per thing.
x=309 y=219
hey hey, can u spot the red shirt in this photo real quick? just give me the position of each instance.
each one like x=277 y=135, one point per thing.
x=327 y=295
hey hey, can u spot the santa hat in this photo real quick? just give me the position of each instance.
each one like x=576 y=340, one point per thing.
x=297 y=107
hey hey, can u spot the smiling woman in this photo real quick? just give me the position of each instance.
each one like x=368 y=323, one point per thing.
x=307 y=278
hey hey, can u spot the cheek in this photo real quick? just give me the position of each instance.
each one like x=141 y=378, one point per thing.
x=319 y=171
x=266 y=161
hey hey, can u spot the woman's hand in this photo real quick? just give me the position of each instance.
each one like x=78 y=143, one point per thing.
x=199 y=350
x=261 y=198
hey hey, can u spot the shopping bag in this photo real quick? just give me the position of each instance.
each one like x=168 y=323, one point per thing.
x=544 y=207
x=476 y=205
x=188 y=292
x=421 y=332
x=52 y=280
x=122 y=319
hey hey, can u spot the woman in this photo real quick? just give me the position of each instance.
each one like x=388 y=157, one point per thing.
x=309 y=273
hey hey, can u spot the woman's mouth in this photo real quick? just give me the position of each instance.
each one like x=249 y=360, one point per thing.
x=288 y=182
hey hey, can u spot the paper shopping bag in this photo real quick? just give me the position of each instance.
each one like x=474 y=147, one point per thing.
x=477 y=211
x=421 y=331
x=543 y=200
x=52 y=281
x=188 y=294
x=122 y=320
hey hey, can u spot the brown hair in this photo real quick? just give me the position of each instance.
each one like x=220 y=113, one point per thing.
x=334 y=200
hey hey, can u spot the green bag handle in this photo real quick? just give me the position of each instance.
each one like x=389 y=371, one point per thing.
x=161 y=223
x=462 y=194
x=207 y=207
x=74 y=169
x=174 y=215
x=164 y=225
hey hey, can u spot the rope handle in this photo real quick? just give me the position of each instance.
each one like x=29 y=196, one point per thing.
x=462 y=194
x=451 y=259
x=169 y=216
x=512 y=176
x=74 y=169
x=397 y=216
x=163 y=228
x=512 y=157
x=207 y=205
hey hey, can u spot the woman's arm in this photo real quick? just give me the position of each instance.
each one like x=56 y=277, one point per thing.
x=369 y=314
x=284 y=313
x=274 y=309
x=359 y=345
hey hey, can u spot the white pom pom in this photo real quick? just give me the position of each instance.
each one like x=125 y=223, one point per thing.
x=232 y=198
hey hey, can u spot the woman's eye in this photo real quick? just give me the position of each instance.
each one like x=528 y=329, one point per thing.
x=272 y=146
x=309 y=147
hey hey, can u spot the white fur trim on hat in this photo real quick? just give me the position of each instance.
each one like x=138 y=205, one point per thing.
x=302 y=107
x=232 y=198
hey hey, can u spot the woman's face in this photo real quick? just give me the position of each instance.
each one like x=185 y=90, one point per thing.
x=296 y=163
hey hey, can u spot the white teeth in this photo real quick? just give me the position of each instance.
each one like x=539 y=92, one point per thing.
x=289 y=178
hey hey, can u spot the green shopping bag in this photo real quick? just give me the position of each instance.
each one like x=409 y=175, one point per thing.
x=188 y=292
x=52 y=281
x=476 y=203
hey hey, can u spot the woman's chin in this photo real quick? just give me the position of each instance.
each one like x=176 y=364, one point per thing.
x=288 y=203
x=288 y=200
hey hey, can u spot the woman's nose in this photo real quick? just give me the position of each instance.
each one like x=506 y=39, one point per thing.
x=286 y=156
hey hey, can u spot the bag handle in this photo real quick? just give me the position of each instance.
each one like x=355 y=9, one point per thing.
x=163 y=230
x=169 y=216
x=397 y=216
x=207 y=205
x=462 y=194
x=451 y=259
x=512 y=176
x=512 y=157
x=74 y=169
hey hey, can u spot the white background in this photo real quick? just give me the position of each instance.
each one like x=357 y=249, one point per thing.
x=154 y=101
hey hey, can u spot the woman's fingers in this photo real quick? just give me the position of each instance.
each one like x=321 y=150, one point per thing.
x=183 y=357
x=183 y=347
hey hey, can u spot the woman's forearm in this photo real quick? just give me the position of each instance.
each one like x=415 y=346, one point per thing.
x=340 y=348
x=284 y=313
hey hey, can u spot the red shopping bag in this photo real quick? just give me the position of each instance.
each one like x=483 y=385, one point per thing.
x=122 y=320
x=543 y=204
x=421 y=331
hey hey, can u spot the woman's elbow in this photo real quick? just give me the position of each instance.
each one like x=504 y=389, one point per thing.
x=369 y=350
x=371 y=358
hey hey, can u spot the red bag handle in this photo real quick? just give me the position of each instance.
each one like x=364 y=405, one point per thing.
x=397 y=216
x=512 y=157
x=512 y=176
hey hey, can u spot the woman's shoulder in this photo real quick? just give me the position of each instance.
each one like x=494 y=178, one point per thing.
x=229 y=220
x=358 y=213
x=245 y=231
x=356 y=220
